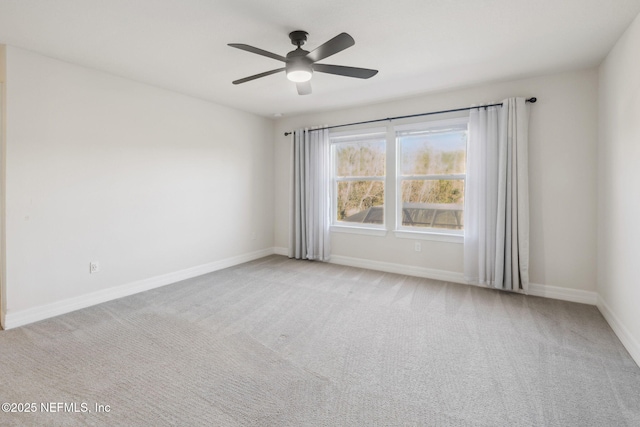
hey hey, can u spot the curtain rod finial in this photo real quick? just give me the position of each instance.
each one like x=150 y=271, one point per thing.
x=532 y=100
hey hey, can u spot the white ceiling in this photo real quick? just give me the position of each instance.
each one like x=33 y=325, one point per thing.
x=418 y=45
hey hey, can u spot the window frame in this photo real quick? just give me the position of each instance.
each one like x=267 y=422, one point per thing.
x=429 y=233
x=353 y=137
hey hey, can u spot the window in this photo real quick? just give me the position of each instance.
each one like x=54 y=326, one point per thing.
x=358 y=165
x=427 y=180
x=430 y=177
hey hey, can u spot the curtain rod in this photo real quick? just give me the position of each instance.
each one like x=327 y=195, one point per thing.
x=531 y=100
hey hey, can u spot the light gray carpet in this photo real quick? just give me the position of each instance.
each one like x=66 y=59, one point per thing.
x=278 y=342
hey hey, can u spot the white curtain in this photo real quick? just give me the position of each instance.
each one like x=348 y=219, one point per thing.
x=310 y=196
x=496 y=239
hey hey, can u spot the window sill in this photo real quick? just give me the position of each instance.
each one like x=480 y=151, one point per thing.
x=368 y=231
x=435 y=237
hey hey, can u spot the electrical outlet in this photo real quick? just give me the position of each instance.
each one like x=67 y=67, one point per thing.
x=94 y=267
x=418 y=247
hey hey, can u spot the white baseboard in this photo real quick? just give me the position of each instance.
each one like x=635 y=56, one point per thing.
x=553 y=292
x=388 y=267
x=630 y=343
x=24 y=317
x=565 y=294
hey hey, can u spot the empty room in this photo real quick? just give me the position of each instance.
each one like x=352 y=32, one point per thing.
x=302 y=213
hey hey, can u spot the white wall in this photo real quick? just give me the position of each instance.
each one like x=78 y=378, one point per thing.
x=146 y=181
x=2 y=176
x=619 y=188
x=563 y=134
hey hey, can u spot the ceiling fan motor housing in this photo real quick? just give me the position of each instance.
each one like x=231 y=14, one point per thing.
x=298 y=38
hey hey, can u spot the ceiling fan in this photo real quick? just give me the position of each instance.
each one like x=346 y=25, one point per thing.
x=300 y=64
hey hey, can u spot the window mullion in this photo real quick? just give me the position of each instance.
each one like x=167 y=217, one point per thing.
x=433 y=177
x=359 y=178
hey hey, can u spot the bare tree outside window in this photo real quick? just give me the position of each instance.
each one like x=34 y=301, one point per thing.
x=431 y=177
x=360 y=172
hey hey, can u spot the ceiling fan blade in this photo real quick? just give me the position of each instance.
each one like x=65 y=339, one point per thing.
x=257 y=76
x=304 y=88
x=359 y=73
x=333 y=46
x=257 y=51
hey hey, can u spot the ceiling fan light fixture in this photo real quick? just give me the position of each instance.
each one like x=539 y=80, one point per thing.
x=299 y=76
x=299 y=72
